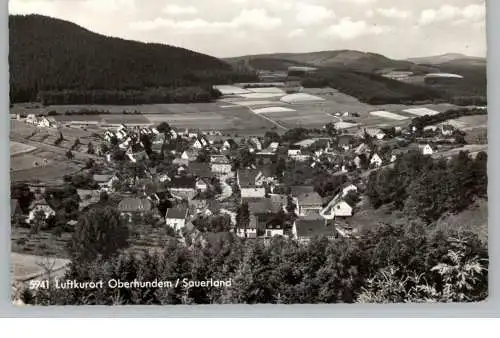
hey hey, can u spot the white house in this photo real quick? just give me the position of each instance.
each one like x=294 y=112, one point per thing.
x=376 y=161
x=427 y=150
x=46 y=123
x=176 y=217
x=342 y=209
x=32 y=119
x=40 y=206
x=197 y=144
x=293 y=152
x=201 y=185
x=274 y=146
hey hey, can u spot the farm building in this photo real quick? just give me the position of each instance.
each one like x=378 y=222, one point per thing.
x=376 y=161
x=220 y=164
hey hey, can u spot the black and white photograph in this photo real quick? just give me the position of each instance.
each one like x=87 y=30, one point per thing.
x=197 y=152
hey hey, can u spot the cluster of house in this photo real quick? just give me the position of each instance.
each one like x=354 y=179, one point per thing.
x=300 y=213
x=40 y=122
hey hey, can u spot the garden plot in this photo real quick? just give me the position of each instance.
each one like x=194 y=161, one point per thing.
x=388 y=115
x=345 y=125
x=421 y=111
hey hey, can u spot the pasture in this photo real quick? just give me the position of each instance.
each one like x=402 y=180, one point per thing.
x=388 y=115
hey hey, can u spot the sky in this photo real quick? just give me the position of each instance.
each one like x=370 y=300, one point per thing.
x=225 y=28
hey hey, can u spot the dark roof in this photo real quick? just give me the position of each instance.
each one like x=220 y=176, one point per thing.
x=134 y=205
x=187 y=182
x=200 y=169
x=345 y=139
x=177 y=213
x=246 y=177
x=267 y=221
x=306 y=195
x=252 y=223
x=313 y=226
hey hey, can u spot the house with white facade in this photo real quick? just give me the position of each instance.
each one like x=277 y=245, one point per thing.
x=40 y=206
x=342 y=209
x=248 y=231
x=427 y=149
x=176 y=217
x=249 y=184
x=376 y=161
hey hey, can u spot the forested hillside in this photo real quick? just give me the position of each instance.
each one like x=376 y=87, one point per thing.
x=49 y=54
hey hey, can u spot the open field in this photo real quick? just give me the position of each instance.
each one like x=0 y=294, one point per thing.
x=225 y=119
x=125 y=118
x=388 y=115
x=25 y=267
x=17 y=148
x=49 y=172
x=21 y=129
x=27 y=162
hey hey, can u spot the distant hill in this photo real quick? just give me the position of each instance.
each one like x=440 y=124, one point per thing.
x=347 y=59
x=52 y=54
x=450 y=58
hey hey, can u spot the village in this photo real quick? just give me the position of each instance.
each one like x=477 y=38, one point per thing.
x=302 y=184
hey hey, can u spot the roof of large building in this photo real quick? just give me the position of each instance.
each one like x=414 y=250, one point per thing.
x=176 y=213
x=219 y=159
x=131 y=204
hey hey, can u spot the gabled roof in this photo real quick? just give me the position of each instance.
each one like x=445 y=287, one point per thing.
x=176 y=213
x=135 y=205
x=246 y=177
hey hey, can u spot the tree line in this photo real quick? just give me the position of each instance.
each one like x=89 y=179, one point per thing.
x=52 y=55
x=423 y=121
x=389 y=263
